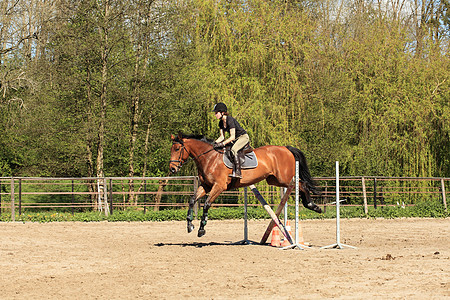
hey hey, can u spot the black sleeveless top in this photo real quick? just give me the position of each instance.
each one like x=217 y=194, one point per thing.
x=232 y=123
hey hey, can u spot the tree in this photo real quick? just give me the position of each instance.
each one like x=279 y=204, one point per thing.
x=95 y=88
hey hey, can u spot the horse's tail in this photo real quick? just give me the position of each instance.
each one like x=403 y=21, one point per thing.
x=304 y=173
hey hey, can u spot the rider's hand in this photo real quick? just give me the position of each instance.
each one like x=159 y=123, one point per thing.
x=218 y=145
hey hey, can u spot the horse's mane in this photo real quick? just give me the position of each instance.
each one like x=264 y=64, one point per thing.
x=199 y=137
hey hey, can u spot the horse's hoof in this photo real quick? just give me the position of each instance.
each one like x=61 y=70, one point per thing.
x=312 y=206
x=190 y=227
x=201 y=232
x=317 y=210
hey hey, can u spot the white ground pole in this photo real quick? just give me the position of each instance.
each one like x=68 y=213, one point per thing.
x=297 y=193
x=338 y=243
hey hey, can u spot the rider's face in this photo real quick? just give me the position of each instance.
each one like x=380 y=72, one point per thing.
x=218 y=115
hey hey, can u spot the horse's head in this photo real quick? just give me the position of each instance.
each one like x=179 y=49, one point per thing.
x=184 y=146
x=178 y=153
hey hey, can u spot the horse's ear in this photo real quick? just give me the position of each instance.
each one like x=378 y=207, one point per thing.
x=180 y=136
x=172 y=137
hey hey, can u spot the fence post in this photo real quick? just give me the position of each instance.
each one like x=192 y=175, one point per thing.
x=20 y=196
x=375 y=193
x=73 y=199
x=13 y=205
x=111 y=196
x=105 y=196
x=0 y=197
x=444 y=200
x=363 y=181
x=381 y=196
x=145 y=196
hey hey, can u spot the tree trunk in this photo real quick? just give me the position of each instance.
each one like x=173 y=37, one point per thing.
x=146 y=152
x=139 y=71
x=89 y=140
x=103 y=96
x=102 y=118
x=162 y=184
x=134 y=126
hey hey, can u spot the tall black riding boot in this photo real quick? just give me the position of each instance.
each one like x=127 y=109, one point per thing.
x=236 y=167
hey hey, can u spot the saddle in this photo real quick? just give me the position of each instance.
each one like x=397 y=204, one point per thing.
x=249 y=160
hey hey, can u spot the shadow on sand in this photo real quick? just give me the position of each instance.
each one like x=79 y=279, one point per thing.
x=200 y=245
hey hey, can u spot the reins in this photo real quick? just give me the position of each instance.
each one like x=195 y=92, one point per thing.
x=204 y=153
x=183 y=148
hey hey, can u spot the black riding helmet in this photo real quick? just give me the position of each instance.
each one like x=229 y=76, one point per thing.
x=220 y=107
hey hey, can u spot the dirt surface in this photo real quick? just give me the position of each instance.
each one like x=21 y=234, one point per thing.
x=394 y=259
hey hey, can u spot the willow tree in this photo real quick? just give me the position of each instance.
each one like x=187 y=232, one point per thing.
x=254 y=52
x=388 y=94
x=338 y=80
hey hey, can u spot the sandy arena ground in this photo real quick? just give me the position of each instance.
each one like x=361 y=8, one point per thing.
x=394 y=259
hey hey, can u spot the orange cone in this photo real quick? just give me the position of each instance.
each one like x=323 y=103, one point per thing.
x=301 y=240
x=288 y=229
x=276 y=242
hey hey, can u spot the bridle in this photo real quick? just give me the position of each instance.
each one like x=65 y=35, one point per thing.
x=180 y=160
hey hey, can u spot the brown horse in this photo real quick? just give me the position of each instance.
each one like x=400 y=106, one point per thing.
x=276 y=164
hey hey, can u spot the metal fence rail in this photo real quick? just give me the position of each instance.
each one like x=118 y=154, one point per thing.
x=371 y=190
x=18 y=194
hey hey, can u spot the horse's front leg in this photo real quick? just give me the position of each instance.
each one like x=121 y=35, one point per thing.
x=215 y=192
x=190 y=215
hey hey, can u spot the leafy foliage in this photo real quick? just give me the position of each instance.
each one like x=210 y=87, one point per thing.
x=362 y=84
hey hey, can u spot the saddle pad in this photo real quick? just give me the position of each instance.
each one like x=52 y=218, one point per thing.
x=250 y=161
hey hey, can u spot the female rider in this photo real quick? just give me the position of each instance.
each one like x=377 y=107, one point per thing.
x=238 y=135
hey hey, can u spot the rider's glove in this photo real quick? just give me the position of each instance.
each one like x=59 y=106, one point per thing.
x=218 y=145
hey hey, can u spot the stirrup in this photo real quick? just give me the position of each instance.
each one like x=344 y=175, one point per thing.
x=235 y=175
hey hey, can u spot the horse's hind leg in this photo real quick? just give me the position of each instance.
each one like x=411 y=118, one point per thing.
x=190 y=214
x=304 y=194
x=306 y=200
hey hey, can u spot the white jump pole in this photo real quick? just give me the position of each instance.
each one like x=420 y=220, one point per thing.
x=297 y=193
x=338 y=243
x=245 y=217
x=246 y=241
x=285 y=207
